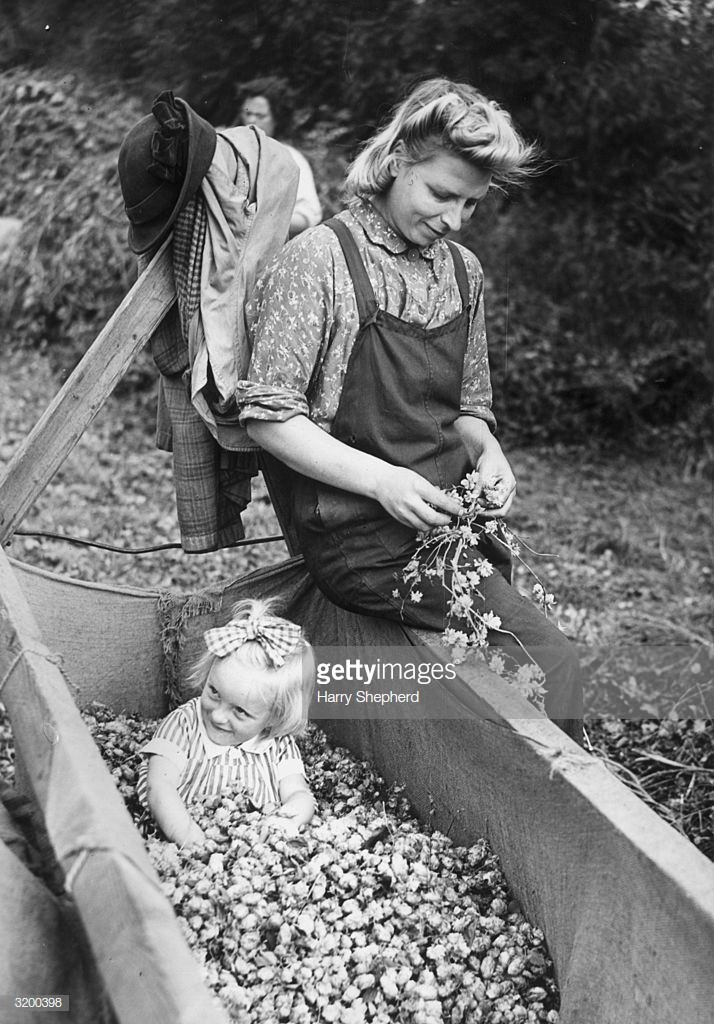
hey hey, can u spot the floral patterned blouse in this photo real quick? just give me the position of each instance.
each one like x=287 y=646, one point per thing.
x=304 y=301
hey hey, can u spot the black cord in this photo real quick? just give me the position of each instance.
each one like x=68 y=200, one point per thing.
x=136 y=551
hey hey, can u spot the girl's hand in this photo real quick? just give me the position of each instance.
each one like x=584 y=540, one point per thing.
x=194 y=836
x=410 y=499
x=285 y=823
x=297 y=806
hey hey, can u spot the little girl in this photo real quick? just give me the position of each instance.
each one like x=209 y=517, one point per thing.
x=256 y=680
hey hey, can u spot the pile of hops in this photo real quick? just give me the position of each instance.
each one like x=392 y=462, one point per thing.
x=366 y=917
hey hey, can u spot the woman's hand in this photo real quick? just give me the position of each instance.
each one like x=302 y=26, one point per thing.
x=412 y=500
x=496 y=479
x=404 y=494
x=498 y=484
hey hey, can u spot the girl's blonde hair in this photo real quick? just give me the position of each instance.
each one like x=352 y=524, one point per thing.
x=440 y=114
x=287 y=689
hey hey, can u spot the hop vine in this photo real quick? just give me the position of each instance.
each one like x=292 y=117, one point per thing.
x=450 y=555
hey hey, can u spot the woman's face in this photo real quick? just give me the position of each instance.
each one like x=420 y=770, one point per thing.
x=256 y=110
x=429 y=199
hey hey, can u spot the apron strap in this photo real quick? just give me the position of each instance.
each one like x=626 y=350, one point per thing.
x=462 y=276
x=364 y=292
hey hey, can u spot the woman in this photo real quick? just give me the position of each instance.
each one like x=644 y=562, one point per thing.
x=369 y=376
x=264 y=103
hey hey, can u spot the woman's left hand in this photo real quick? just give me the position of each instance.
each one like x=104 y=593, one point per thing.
x=496 y=479
x=498 y=484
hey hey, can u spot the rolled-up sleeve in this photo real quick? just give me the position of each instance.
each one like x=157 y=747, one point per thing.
x=290 y=317
x=476 y=393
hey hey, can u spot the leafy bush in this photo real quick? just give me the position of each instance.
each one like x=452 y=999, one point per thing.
x=598 y=277
x=72 y=265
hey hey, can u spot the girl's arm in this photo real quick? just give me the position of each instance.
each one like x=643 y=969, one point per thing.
x=297 y=804
x=305 y=447
x=166 y=806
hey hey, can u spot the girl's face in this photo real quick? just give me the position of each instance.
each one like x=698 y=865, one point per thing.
x=433 y=197
x=256 y=110
x=232 y=707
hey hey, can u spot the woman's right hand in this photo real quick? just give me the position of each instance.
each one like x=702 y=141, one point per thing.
x=404 y=494
x=410 y=499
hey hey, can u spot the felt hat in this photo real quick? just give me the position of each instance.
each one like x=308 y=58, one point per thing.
x=162 y=161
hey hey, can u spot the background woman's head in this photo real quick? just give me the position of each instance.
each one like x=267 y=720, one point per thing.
x=443 y=116
x=268 y=104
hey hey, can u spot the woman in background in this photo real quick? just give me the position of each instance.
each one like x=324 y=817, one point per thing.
x=265 y=103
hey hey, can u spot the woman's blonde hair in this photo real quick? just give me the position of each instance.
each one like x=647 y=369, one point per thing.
x=287 y=689
x=440 y=114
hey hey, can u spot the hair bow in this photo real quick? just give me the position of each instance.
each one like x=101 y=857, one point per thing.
x=277 y=637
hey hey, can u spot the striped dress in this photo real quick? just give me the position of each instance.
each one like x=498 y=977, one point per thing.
x=254 y=769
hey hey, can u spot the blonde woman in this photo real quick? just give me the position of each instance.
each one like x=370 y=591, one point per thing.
x=369 y=377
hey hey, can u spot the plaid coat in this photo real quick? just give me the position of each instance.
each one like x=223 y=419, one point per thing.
x=222 y=239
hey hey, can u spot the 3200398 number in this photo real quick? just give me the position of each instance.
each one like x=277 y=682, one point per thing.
x=46 y=1002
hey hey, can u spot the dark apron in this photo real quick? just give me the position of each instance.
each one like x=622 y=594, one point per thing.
x=400 y=400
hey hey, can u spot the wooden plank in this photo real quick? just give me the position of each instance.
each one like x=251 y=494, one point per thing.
x=34 y=954
x=43 y=949
x=42 y=452
x=148 y=970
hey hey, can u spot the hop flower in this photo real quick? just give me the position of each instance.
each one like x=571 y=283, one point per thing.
x=491 y=621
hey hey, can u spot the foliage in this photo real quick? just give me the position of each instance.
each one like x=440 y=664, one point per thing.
x=602 y=271
x=598 y=276
x=669 y=764
x=72 y=266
